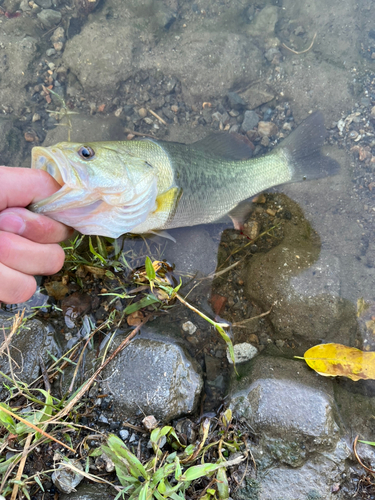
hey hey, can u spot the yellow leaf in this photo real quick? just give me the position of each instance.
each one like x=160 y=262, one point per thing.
x=331 y=360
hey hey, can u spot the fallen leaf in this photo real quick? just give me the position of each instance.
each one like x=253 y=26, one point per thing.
x=56 y=289
x=331 y=360
x=135 y=318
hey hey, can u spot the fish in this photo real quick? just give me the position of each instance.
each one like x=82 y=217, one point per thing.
x=149 y=185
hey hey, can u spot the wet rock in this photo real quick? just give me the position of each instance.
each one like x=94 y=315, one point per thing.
x=250 y=121
x=257 y=94
x=26 y=348
x=267 y=129
x=49 y=17
x=235 y=101
x=303 y=290
x=287 y=407
x=264 y=22
x=89 y=492
x=315 y=480
x=44 y=4
x=155 y=377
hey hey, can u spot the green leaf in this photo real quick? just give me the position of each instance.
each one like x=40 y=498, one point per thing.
x=136 y=469
x=38 y=481
x=143 y=492
x=6 y=420
x=222 y=484
x=101 y=247
x=198 y=471
x=150 y=271
x=94 y=252
x=146 y=301
x=178 y=470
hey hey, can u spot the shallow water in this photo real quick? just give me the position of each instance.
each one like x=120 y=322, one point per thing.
x=180 y=59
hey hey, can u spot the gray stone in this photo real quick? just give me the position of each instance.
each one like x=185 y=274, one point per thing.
x=154 y=377
x=90 y=492
x=44 y=4
x=293 y=417
x=32 y=342
x=49 y=17
x=235 y=101
x=313 y=481
x=242 y=352
x=124 y=434
x=250 y=121
x=257 y=94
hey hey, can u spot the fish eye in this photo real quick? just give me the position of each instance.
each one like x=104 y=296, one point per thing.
x=86 y=153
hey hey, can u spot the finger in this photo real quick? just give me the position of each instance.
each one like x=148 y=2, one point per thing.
x=32 y=226
x=22 y=186
x=29 y=257
x=15 y=287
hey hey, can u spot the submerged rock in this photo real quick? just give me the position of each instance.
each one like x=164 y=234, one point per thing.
x=300 y=285
x=155 y=377
x=49 y=17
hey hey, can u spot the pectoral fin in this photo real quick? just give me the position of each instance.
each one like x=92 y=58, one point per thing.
x=167 y=202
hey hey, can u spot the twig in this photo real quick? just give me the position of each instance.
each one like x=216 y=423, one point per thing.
x=128 y=131
x=243 y=323
x=21 y=466
x=302 y=51
x=158 y=117
x=16 y=324
x=357 y=457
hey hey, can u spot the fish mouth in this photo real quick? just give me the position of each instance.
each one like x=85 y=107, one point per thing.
x=52 y=161
x=49 y=161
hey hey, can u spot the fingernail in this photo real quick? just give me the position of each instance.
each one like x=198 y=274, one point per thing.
x=12 y=223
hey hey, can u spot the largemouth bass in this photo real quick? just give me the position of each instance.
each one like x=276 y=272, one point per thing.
x=112 y=188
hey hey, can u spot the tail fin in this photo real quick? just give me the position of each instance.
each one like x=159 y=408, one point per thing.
x=303 y=150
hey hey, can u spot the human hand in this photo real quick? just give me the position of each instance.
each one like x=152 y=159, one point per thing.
x=28 y=241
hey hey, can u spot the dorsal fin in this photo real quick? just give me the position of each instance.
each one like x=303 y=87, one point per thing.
x=228 y=146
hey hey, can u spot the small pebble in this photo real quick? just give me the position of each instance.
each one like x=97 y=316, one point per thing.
x=251 y=229
x=271 y=212
x=50 y=52
x=189 y=327
x=124 y=434
x=174 y=108
x=35 y=117
x=267 y=129
x=242 y=353
x=58 y=46
x=142 y=112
